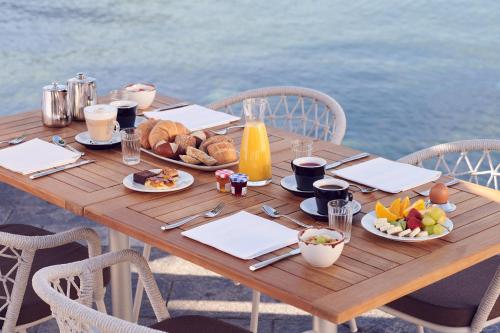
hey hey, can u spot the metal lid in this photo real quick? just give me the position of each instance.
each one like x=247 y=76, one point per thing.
x=55 y=87
x=238 y=178
x=81 y=78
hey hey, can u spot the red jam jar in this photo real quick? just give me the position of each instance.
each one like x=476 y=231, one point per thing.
x=222 y=180
x=239 y=184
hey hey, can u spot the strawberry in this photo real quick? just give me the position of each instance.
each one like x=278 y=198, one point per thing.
x=415 y=213
x=414 y=222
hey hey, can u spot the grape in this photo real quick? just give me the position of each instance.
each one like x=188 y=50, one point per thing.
x=428 y=221
x=438 y=229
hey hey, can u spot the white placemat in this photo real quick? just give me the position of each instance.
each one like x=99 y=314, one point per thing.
x=194 y=117
x=388 y=176
x=35 y=155
x=244 y=235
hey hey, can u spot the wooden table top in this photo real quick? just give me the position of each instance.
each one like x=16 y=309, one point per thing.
x=370 y=272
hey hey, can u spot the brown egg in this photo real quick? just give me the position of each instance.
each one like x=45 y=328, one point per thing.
x=439 y=194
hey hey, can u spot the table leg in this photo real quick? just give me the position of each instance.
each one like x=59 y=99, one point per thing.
x=121 y=282
x=323 y=326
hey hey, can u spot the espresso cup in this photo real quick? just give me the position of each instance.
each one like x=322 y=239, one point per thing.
x=307 y=170
x=101 y=122
x=326 y=190
x=126 y=113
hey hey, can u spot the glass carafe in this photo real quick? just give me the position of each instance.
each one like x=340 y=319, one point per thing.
x=255 y=154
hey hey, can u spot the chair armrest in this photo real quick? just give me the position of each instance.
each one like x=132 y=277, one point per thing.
x=487 y=303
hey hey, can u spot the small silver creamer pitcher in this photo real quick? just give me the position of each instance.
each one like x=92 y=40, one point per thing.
x=82 y=92
x=55 y=111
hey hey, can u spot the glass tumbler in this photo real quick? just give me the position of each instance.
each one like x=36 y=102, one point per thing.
x=302 y=148
x=131 y=146
x=340 y=217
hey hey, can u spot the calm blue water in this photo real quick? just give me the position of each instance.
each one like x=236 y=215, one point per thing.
x=409 y=74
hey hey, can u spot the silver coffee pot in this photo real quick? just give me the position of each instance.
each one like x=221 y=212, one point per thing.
x=55 y=111
x=82 y=92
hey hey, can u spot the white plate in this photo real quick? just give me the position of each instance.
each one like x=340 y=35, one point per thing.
x=192 y=166
x=368 y=223
x=185 y=180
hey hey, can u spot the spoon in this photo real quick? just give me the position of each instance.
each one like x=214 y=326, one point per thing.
x=15 y=141
x=225 y=130
x=275 y=213
x=56 y=139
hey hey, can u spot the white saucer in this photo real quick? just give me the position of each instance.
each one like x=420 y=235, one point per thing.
x=309 y=207
x=185 y=180
x=84 y=139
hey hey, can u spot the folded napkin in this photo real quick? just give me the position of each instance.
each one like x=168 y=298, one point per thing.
x=244 y=235
x=194 y=117
x=35 y=155
x=388 y=176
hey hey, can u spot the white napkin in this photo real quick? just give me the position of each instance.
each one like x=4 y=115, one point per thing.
x=388 y=176
x=35 y=155
x=194 y=117
x=244 y=235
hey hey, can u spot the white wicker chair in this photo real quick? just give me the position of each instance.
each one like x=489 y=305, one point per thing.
x=78 y=315
x=474 y=160
x=19 y=251
x=300 y=110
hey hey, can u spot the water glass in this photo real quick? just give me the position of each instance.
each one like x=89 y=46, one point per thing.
x=118 y=95
x=131 y=146
x=302 y=148
x=340 y=217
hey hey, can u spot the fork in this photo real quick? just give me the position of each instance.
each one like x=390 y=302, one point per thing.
x=273 y=212
x=15 y=141
x=426 y=193
x=225 y=130
x=211 y=213
x=364 y=189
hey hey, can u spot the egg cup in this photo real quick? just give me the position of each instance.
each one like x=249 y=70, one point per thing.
x=448 y=207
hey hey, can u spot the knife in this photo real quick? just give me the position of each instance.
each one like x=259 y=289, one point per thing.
x=173 y=106
x=268 y=262
x=61 y=168
x=345 y=160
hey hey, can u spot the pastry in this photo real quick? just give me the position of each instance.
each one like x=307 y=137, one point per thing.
x=169 y=173
x=215 y=139
x=145 y=128
x=201 y=156
x=167 y=149
x=199 y=136
x=159 y=182
x=184 y=141
x=166 y=130
x=142 y=176
x=223 y=152
x=189 y=159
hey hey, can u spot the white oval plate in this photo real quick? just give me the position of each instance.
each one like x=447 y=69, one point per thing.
x=185 y=180
x=192 y=166
x=368 y=223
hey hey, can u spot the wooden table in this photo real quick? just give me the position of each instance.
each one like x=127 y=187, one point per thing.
x=371 y=271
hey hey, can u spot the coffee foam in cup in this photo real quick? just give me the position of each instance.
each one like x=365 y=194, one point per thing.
x=100 y=112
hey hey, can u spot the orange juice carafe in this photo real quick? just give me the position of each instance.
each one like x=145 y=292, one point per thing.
x=255 y=154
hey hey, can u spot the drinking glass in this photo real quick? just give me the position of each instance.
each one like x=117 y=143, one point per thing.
x=131 y=146
x=118 y=95
x=302 y=148
x=340 y=217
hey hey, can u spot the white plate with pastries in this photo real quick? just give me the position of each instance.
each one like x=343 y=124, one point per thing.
x=368 y=223
x=156 y=183
x=172 y=142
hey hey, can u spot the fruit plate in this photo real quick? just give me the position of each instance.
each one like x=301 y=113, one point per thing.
x=192 y=166
x=185 y=180
x=368 y=223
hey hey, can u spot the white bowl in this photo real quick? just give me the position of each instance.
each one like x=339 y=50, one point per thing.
x=321 y=255
x=144 y=98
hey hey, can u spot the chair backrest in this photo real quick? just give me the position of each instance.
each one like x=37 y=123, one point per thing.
x=488 y=301
x=20 y=251
x=300 y=110
x=78 y=315
x=476 y=161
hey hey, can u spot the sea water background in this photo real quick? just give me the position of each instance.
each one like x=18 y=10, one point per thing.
x=409 y=74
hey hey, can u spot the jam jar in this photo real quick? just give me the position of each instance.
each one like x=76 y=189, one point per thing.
x=222 y=180
x=239 y=184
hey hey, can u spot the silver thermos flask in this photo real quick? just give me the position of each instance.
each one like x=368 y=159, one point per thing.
x=82 y=92
x=55 y=111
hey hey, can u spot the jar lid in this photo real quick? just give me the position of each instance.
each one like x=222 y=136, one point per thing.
x=224 y=173
x=238 y=178
x=81 y=78
x=55 y=87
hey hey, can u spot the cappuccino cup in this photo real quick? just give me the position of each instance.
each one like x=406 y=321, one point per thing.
x=326 y=190
x=101 y=122
x=307 y=170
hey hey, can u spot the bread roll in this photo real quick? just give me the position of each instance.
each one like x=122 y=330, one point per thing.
x=145 y=128
x=215 y=139
x=184 y=141
x=189 y=159
x=167 y=149
x=166 y=130
x=201 y=156
x=200 y=136
x=223 y=152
